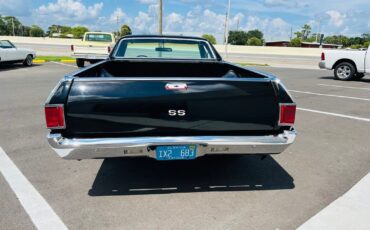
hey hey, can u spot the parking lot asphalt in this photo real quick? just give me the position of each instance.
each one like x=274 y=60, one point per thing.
x=329 y=156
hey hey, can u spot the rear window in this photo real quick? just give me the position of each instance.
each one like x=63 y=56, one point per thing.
x=98 y=38
x=164 y=49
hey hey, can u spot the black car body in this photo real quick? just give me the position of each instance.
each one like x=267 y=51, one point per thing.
x=170 y=98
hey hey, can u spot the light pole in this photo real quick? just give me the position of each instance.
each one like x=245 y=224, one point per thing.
x=227 y=28
x=160 y=17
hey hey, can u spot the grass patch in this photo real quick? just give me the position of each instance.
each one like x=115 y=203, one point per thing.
x=252 y=64
x=54 y=58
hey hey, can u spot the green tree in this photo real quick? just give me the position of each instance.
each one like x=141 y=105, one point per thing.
x=331 y=40
x=79 y=31
x=210 y=38
x=356 y=41
x=125 y=30
x=295 y=42
x=343 y=40
x=366 y=37
x=2 y=26
x=238 y=37
x=298 y=34
x=64 y=30
x=11 y=23
x=366 y=44
x=255 y=33
x=253 y=41
x=304 y=33
x=36 y=31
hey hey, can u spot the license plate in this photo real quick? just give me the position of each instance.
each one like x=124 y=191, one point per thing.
x=176 y=152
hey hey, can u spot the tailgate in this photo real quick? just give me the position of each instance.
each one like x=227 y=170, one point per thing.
x=91 y=49
x=166 y=107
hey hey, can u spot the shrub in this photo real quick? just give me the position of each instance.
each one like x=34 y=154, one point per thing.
x=254 y=42
x=295 y=42
x=210 y=38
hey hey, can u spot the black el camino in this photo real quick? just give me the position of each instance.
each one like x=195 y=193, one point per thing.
x=169 y=98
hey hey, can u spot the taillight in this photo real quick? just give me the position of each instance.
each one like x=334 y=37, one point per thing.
x=322 y=56
x=109 y=49
x=72 y=48
x=287 y=114
x=54 y=115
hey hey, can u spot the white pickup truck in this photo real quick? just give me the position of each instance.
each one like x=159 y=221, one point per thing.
x=347 y=64
x=95 y=46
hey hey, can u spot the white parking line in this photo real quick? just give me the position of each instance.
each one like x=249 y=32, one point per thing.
x=345 y=87
x=40 y=212
x=60 y=63
x=350 y=211
x=330 y=95
x=335 y=114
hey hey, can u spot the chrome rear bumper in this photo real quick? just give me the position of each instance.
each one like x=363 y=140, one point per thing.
x=145 y=146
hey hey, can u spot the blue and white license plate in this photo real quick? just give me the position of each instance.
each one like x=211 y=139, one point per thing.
x=176 y=152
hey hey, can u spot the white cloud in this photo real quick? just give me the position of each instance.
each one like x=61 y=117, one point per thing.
x=285 y=3
x=147 y=1
x=336 y=18
x=173 y=21
x=64 y=11
x=120 y=15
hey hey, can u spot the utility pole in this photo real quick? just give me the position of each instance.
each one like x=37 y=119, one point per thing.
x=291 y=32
x=237 y=25
x=319 y=30
x=13 y=26
x=118 y=34
x=160 y=17
x=227 y=28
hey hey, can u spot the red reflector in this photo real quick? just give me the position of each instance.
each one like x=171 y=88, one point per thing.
x=72 y=48
x=109 y=49
x=287 y=114
x=322 y=56
x=54 y=117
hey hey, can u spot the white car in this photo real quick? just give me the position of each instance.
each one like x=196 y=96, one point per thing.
x=9 y=53
x=347 y=64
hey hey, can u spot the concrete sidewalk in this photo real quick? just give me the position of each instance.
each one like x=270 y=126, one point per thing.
x=351 y=211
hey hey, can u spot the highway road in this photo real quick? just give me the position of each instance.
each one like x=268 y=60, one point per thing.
x=330 y=155
x=272 y=60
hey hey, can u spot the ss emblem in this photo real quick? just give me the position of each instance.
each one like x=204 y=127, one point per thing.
x=174 y=113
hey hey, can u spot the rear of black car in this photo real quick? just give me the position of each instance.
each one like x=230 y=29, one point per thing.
x=169 y=110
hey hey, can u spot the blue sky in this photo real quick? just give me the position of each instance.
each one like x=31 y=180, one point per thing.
x=195 y=17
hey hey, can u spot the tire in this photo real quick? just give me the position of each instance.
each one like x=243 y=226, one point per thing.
x=359 y=76
x=344 y=71
x=28 y=61
x=80 y=63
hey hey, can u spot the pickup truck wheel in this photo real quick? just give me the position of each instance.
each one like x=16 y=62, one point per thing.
x=344 y=71
x=80 y=63
x=28 y=61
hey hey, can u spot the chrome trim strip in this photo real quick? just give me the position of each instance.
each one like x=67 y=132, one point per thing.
x=93 y=148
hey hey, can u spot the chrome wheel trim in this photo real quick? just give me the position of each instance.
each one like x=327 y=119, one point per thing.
x=344 y=72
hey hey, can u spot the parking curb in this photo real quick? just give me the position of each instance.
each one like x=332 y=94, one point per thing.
x=62 y=61
x=39 y=61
